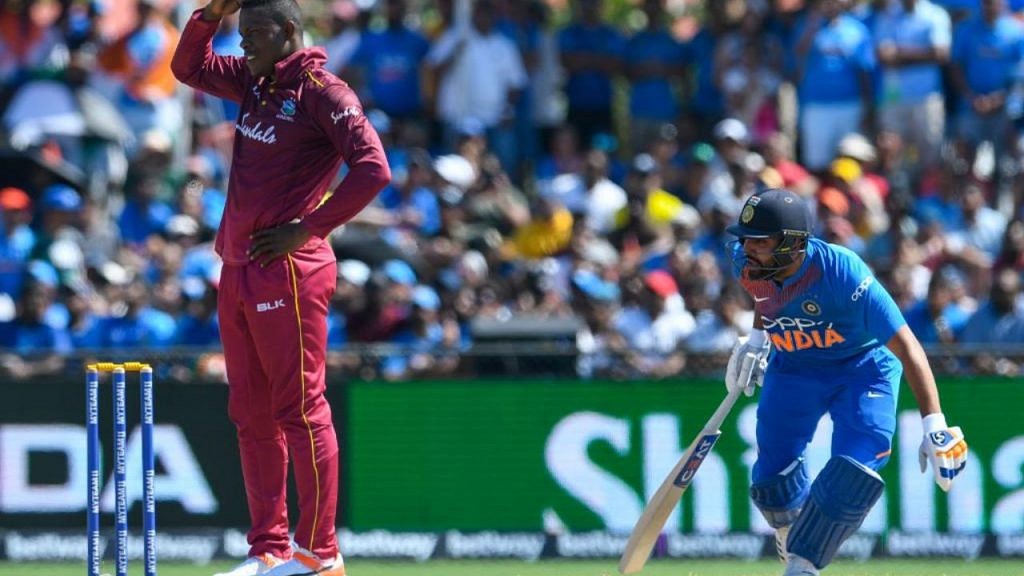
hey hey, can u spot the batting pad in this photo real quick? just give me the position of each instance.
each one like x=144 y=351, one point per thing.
x=840 y=499
x=780 y=497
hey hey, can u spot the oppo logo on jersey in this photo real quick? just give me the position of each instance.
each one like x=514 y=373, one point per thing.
x=793 y=334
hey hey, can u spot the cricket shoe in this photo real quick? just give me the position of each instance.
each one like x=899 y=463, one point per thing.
x=255 y=566
x=800 y=566
x=305 y=563
x=781 y=534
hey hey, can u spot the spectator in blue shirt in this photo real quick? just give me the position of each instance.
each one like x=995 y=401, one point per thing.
x=144 y=213
x=938 y=318
x=421 y=341
x=348 y=297
x=596 y=300
x=200 y=197
x=653 y=61
x=61 y=215
x=960 y=10
x=16 y=239
x=198 y=326
x=387 y=65
x=869 y=12
x=748 y=71
x=714 y=239
x=987 y=49
x=835 y=62
x=86 y=327
x=563 y=157
x=706 y=105
x=141 y=325
x=23 y=339
x=520 y=26
x=412 y=203
x=912 y=39
x=997 y=321
x=1000 y=320
x=980 y=229
x=591 y=53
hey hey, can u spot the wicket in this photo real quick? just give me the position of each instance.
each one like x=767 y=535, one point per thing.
x=92 y=384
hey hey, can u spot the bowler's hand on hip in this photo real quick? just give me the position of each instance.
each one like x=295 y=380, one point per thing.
x=747 y=363
x=276 y=242
x=945 y=448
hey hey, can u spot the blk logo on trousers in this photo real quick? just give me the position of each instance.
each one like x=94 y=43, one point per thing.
x=268 y=306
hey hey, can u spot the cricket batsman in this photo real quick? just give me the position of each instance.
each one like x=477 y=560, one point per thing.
x=827 y=338
x=296 y=126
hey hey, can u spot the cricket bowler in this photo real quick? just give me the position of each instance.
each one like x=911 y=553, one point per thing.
x=296 y=126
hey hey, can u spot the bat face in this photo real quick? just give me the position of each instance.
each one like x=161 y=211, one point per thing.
x=648 y=527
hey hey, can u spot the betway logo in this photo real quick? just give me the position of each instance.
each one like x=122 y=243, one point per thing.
x=268 y=306
x=417 y=546
x=256 y=131
x=924 y=544
x=526 y=546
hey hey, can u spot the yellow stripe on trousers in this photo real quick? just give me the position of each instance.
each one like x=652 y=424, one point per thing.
x=302 y=377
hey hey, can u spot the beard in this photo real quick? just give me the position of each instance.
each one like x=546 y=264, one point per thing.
x=755 y=270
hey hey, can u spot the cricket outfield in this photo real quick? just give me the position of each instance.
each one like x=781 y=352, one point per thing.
x=885 y=567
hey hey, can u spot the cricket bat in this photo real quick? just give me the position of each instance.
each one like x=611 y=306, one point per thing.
x=648 y=527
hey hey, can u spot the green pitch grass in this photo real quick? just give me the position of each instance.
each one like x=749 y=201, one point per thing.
x=943 y=567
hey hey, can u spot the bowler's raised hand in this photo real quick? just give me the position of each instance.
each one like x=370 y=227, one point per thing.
x=218 y=9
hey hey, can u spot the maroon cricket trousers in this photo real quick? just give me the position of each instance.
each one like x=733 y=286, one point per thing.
x=274 y=330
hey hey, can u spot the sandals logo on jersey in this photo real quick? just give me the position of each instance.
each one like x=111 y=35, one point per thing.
x=288 y=110
x=256 y=131
x=794 y=334
x=345 y=113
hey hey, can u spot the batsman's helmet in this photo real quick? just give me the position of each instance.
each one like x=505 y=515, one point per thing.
x=774 y=212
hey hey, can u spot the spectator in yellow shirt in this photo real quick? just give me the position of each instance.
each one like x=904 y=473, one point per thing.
x=548 y=233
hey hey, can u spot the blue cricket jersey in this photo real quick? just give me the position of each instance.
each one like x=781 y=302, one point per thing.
x=830 y=311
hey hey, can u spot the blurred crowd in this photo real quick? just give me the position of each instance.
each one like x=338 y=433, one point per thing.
x=550 y=161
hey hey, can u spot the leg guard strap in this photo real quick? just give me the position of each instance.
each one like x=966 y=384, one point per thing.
x=780 y=497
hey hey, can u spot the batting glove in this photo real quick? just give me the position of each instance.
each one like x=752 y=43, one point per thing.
x=945 y=448
x=747 y=363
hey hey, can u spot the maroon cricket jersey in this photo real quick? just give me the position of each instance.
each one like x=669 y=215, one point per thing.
x=292 y=136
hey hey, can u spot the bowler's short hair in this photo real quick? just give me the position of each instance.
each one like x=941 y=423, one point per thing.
x=280 y=10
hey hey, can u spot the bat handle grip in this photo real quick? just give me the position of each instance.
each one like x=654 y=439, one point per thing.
x=724 y=408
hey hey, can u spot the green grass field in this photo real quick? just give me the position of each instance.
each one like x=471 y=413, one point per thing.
x=941 y=567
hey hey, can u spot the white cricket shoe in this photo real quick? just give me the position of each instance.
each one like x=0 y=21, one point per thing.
x=780 y=542
x=255 y=566
x=305 y=563
x=800 y=566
